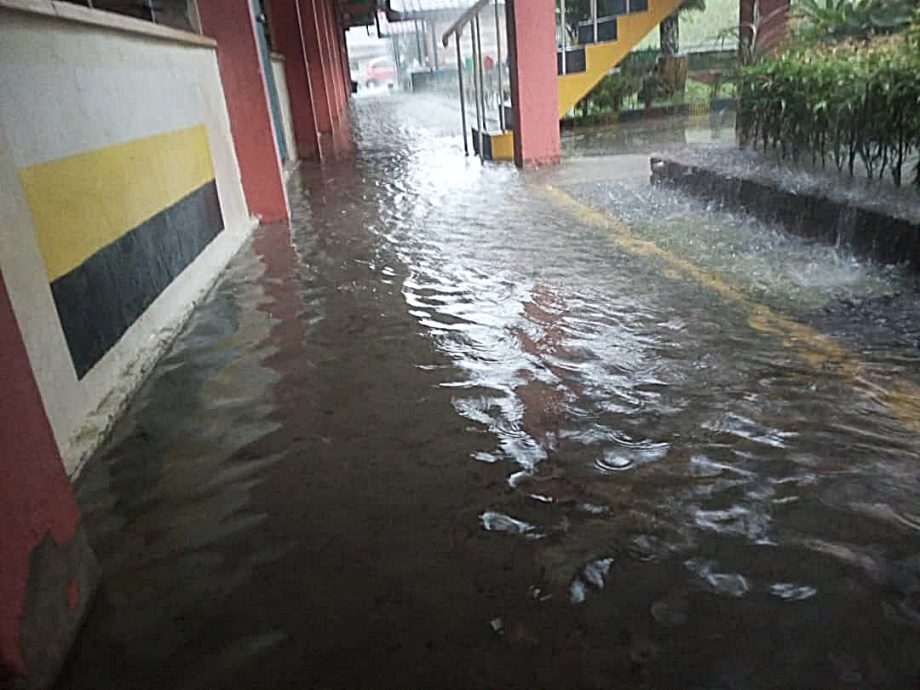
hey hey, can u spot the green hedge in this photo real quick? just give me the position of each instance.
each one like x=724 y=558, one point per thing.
x=843 y=104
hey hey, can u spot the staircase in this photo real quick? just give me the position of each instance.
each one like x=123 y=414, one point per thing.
x=626 y=22
x=615 y=28
x=621 y=24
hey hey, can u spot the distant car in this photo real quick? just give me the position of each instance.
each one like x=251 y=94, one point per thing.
x=380 y=72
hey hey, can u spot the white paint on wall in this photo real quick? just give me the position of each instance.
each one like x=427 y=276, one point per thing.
x=92 y=107
x=284 y=101
x=67 y=87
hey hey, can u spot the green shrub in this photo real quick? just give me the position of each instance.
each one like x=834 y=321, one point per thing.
x=913 y=32
x=654 y=88
x=614 y=89
x=609 y=94
x=640 y=62
x=832 y=20
x=844 y=103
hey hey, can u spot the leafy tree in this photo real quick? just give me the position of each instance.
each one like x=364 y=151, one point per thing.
x=754 y=37
x=833 y=20
x=669 y=29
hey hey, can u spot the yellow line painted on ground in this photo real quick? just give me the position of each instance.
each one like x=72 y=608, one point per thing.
x=812 y=347
x=82 y=203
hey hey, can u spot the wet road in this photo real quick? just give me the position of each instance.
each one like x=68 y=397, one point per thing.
x=461 y=427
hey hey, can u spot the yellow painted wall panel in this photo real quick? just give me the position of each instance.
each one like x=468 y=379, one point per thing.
x=81 y=203
x=503 y=146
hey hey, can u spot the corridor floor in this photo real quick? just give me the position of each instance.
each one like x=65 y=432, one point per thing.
x=454 y=429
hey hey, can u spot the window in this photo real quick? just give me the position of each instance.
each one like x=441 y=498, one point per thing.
x=178 y=14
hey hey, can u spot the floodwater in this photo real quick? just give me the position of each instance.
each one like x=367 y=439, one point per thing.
x=463 y=427
x=656 y=134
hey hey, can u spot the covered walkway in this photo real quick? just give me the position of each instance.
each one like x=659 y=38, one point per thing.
x=461 y=427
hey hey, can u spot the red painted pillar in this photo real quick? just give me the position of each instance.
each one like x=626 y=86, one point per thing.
x=287 y=32
x=534 y=94
x=329 y=73
x=47 y=568
x=311 y=40
x=242 y=72
x=340 y=143
x=346 y=67
x=335 y=52
x=772 y=19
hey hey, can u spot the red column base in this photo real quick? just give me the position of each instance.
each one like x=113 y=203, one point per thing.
x=47 y=569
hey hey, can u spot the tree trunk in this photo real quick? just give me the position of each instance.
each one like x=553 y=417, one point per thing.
x=669 y=35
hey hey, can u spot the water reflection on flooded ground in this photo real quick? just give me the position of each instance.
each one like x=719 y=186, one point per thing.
x=451 y=430
x=651 y=135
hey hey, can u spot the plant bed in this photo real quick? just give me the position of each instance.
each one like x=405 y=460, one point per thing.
x=853 y=106
x=877 y=226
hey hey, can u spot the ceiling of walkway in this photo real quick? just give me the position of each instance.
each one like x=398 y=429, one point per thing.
x=361 y=13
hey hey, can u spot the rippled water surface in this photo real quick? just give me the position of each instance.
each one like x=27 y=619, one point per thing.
x=464 y=427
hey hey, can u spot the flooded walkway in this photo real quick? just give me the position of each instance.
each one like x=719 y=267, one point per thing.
x=462 y=427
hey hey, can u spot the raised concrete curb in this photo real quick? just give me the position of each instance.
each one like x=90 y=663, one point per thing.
x=872 y=233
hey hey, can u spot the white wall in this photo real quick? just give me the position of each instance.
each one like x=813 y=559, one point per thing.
x=74 y=80
x=284 y=100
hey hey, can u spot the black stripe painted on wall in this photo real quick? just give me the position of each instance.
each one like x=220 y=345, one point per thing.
x=100 y=299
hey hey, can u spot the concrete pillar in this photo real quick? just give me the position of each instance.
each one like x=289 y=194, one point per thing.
x=47 y=568
x=311 y=39
x=534 y=92
x=287 y=32
x=242 y=72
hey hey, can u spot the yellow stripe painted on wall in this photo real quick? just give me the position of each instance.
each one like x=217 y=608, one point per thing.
x=84 y=202
x=600 y=58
